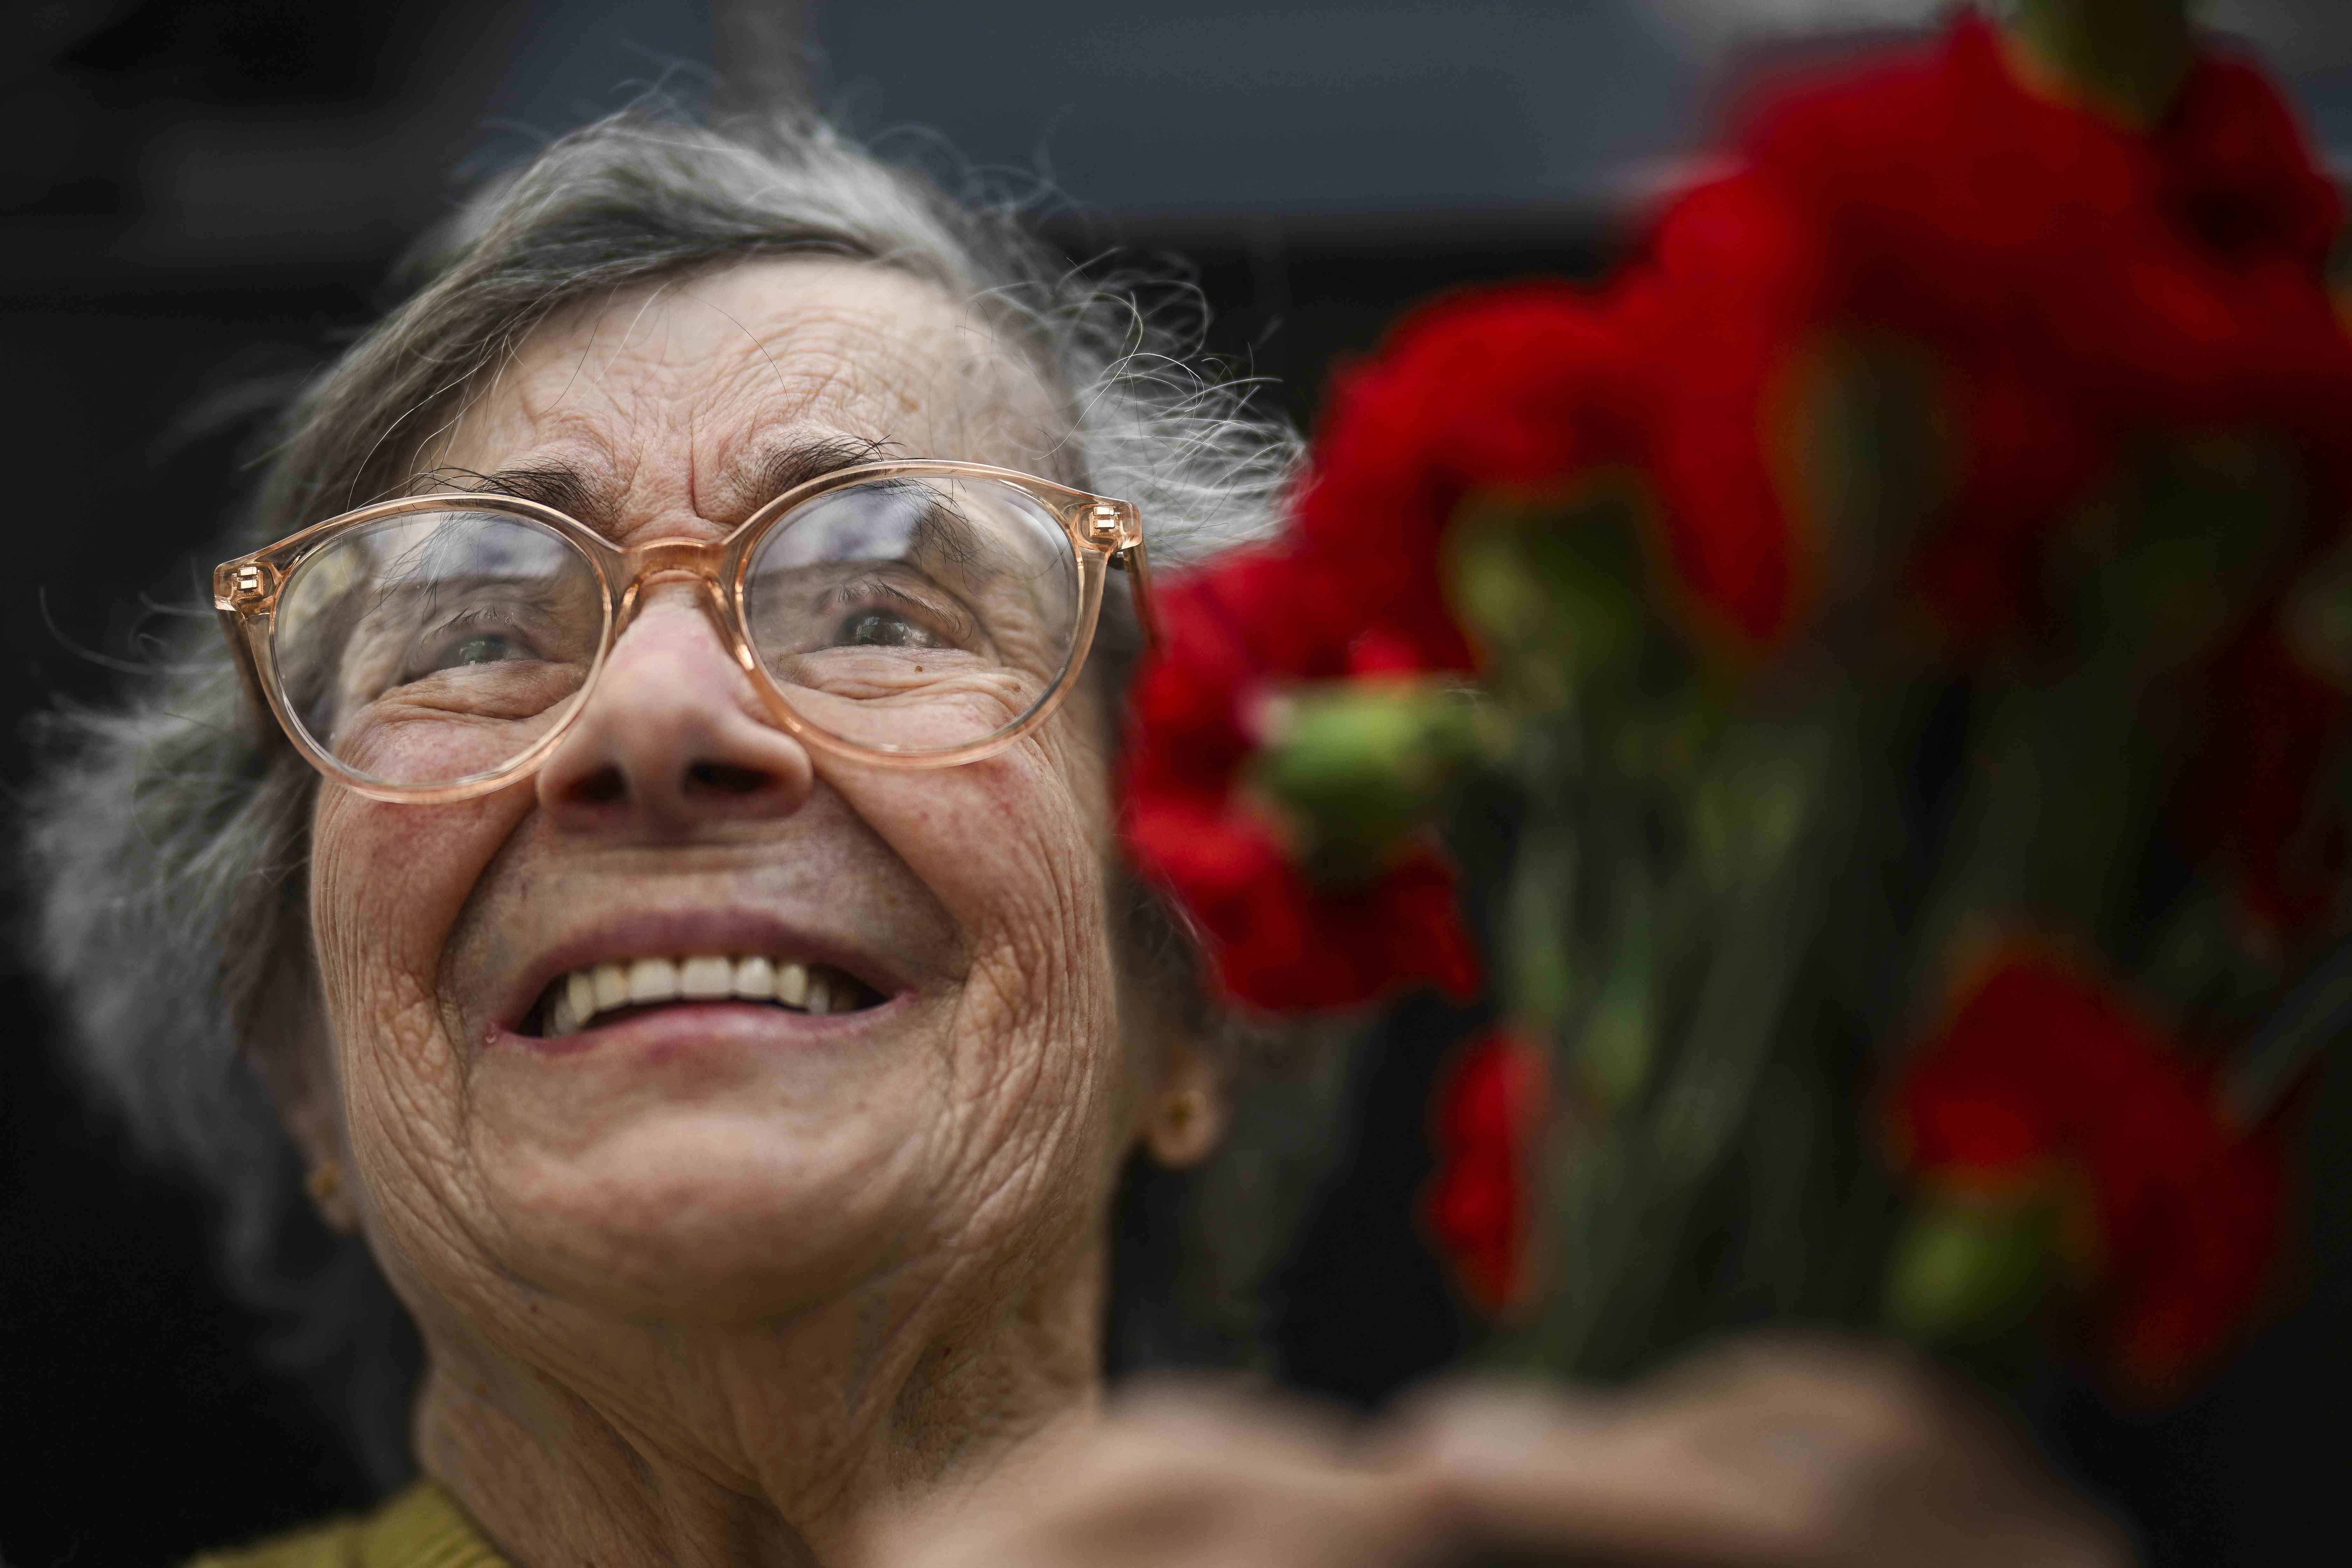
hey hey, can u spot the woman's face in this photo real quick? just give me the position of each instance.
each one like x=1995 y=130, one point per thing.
x=730 y=1162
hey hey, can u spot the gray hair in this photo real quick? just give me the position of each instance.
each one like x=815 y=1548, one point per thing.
x=169 y=829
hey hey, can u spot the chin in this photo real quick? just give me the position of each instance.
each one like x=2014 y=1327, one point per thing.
x=706 y=1216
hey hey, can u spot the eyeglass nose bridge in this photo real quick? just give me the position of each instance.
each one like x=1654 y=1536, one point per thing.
x=702 y=561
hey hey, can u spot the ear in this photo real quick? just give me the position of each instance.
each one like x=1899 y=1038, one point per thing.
x=294 y=1064
x=1184 y=1115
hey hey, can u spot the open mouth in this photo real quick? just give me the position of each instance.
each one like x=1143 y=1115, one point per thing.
x=603 y=992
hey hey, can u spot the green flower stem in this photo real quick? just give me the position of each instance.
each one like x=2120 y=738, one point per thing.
x=1679 y=980
x=1536 y=935
x=2067 y=774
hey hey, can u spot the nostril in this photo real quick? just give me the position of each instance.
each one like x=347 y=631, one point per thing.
x=725 y=778
x=606 y=787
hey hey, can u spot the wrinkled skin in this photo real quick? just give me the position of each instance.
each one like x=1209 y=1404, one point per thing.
x=698 y=1296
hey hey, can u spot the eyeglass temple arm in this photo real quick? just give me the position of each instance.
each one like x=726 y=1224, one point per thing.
x=1133 y=560
x=258 y=715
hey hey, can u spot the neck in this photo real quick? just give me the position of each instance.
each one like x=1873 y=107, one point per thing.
x=2125 y=59
x=770 y=1444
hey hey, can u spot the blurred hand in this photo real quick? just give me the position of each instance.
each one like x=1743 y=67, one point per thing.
x=1183 y=1475
x=1787 y=1454
x=1817 y=1452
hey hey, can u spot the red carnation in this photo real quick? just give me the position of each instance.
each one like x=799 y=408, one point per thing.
x=2077 y=281
x=1490 y=1113
x=1278 y=941
x=2043 y=1077
x=1232 y=636
x=1525 y=390
x=2175 y=273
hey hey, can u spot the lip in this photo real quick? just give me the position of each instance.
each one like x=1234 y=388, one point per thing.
x=675 y=933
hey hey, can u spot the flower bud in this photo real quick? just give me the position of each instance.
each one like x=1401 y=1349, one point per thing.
x=1356 y=767
x=1968 y=1266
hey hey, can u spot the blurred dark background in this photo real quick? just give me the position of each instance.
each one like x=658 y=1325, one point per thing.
x=197 y=200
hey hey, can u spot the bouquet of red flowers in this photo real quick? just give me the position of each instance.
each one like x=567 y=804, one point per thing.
x=1885 y=657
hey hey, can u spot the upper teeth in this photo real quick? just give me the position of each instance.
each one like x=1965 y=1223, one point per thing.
x=582 y=994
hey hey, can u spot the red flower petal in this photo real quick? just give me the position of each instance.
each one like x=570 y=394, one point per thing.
x=1524 y=389
x=1489 y=1115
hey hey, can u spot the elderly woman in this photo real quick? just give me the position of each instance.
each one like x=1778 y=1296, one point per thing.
x=646 y=838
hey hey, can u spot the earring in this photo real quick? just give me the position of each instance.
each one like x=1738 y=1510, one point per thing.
x=325 y=1181
x=1184 y=1127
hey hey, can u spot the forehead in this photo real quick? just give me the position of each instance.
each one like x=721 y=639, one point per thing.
x=682 y=393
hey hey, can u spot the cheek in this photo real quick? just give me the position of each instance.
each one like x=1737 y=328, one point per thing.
x=1014 y=849
x=386 y=885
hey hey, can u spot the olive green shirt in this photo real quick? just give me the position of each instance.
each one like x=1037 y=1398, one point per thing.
x=420 y=1528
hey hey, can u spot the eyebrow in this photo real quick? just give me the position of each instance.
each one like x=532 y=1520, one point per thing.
x=594 y=499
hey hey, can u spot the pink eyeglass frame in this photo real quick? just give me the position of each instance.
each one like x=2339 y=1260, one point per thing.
x=1103 y=533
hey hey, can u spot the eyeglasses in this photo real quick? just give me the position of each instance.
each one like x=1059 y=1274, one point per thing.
x=905 y=615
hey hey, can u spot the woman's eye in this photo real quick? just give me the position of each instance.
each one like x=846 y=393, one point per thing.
x=881 y=629
x=482 y=647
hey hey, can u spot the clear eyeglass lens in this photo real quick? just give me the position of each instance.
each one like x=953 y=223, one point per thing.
x=915 y=615
x=437 y=646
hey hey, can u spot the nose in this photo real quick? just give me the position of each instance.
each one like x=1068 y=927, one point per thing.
x=673 y=737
